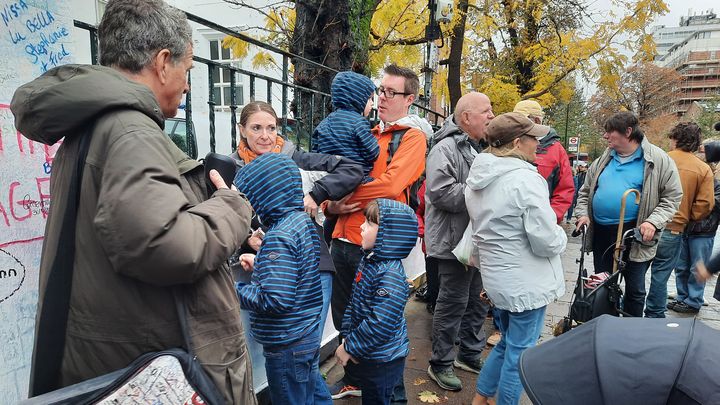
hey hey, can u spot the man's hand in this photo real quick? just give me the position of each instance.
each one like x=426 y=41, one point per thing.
x=311 y=206
x=647 y=230
x=343 y=357
x=584 y=220
x=218 y=181
x=701 y=272
x=247 y=261
x=341 y=207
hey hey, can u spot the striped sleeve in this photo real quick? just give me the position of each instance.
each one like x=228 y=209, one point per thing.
x=276 y=271
x=388 y=298
x=368 y=144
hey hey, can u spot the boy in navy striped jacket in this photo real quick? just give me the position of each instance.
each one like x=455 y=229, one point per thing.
x=345 y=131
x=284 y=295
x=376 y=341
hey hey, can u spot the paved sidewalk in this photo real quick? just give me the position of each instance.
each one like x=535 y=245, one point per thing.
x=420 y=326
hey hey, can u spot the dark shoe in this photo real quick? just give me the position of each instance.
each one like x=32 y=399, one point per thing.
x=422 y=294
x=467 y=365
x=341 y=390
x=684 y=308
x=430 y=308
x=446 y=379
x=672 y=304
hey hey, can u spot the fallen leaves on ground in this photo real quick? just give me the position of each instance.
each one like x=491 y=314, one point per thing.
x=429 y=397
x=419 y=381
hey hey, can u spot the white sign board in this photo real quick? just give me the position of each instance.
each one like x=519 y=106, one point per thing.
x=35 y=35
x=573 y=144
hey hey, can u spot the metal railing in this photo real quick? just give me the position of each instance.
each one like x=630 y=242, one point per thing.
x=306 y=98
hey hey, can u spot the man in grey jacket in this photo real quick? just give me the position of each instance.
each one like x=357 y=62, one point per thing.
x=459 y=312
x=630 y=161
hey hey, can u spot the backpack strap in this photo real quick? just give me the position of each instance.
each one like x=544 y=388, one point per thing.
x=394 y=144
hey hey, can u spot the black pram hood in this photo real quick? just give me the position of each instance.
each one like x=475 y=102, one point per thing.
x=617 y=361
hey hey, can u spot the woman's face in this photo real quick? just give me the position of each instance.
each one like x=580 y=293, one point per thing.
x=527 y=146
x=260 y=131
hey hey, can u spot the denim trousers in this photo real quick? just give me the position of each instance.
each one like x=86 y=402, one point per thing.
x=292 y=371
x=500 y=375
x=662 y=266
x=322 y=393
x=378 y=380
x=689 y=289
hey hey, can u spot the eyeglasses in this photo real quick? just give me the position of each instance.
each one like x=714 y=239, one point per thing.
x=389 y=93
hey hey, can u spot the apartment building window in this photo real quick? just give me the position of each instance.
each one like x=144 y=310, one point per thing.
x=221 y=77
x=100 y=6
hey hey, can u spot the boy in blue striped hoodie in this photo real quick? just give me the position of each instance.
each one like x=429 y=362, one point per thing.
x=284 y=295
x=376 y=341
x=345 y=131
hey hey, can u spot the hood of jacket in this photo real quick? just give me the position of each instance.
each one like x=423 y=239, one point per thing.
x=549 y=139
x=487 y=168
x=448 y=129
x=351 y=91
x=397 y=233
x=58 y=103
x=273 y=186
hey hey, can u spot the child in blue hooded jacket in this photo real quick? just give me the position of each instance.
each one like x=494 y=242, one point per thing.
x=284 y=296
x=346 y=132
x=376 y=341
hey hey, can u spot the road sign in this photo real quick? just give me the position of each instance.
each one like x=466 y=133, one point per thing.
x=573 y=144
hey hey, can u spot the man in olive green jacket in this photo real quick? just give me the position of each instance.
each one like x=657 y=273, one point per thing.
x=146 y=229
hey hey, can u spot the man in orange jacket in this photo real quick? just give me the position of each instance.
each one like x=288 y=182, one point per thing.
x=393 y=176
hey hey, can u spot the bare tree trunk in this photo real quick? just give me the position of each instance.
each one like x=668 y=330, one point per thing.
x=455 y=58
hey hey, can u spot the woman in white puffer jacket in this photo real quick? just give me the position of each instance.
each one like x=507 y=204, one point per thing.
x=519 y=244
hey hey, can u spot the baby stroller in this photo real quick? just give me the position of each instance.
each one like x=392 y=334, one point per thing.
x=625 y=361
x=600 y=294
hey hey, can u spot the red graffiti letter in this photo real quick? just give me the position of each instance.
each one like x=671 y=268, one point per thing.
x=23 y=203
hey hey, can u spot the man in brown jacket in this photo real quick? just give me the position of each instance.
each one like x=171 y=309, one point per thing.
x=146 y=229
x=676 y=249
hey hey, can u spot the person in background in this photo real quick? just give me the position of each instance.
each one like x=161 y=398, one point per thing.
x=429 y=293
x=629 y=162
x=376 y=342
x=459 y=312
x=679 y=249
x=552 y=161
x=519 y=244
x=578 y=179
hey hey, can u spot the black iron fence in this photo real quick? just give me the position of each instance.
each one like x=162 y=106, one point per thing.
x=306 y=99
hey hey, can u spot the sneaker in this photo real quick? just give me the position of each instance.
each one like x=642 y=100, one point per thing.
x=672 y=304
x=684 y=308
x=339 y=391
x=471 y=366
x=446 y=379
x=430 y=308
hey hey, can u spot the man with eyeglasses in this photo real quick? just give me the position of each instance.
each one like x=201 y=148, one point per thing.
x=394 y=172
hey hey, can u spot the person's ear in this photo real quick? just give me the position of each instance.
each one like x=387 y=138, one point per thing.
x=628 y=131
x=163 y=62
x=411 y=99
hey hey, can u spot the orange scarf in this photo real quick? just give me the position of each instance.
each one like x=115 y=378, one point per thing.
x=247 y=155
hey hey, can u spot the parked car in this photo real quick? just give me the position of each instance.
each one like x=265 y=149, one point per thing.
x=176 y=128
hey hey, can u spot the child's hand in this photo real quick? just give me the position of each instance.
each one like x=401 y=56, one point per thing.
x=247 y=261
x=311 y=206
x=343 y=357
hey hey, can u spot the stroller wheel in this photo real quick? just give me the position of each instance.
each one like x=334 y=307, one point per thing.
x=562 y=326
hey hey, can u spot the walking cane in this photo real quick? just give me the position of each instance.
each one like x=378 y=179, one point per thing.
x=618 y=241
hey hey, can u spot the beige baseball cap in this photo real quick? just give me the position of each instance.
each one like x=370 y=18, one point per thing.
x=507 y=127
x=528 y=108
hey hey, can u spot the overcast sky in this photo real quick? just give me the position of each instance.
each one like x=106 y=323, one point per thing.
x=678 y=8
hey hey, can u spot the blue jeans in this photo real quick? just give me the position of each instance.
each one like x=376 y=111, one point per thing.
x=322 y=393
x=662 y=266
x=689 y=290
x=500 y=375
x=378 y=381
x=292 y=371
